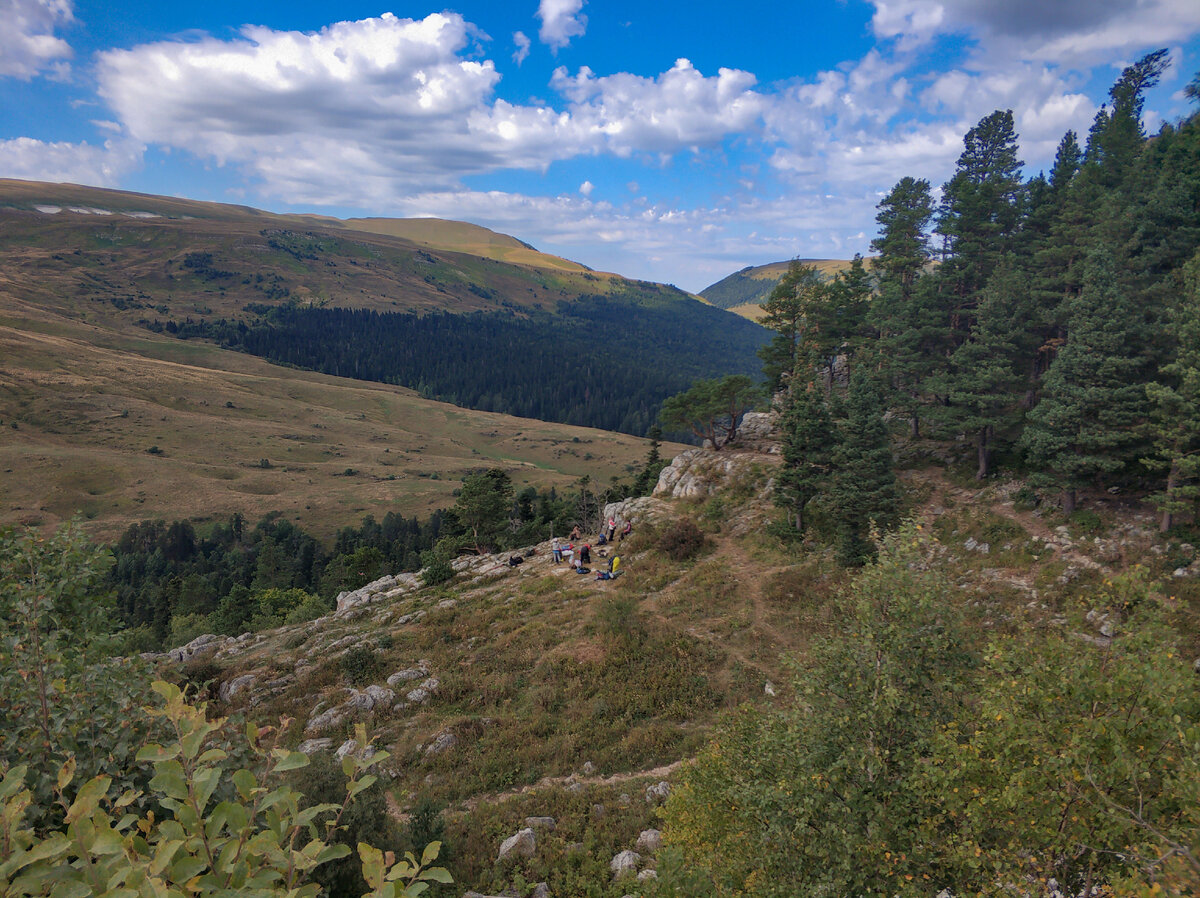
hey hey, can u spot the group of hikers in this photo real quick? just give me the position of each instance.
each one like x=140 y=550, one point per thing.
x=579 y=557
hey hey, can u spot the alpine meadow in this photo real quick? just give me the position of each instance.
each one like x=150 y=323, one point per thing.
x=353 y=546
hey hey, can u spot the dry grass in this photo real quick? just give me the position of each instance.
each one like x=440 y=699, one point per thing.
x=78 y=416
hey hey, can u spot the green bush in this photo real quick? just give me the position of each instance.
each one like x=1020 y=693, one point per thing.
x=361 y=665
x=682 y=541
x=228 y=831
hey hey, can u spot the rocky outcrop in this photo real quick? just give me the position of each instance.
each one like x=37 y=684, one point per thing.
x=389 y=587
x=758 y=432
x=699 y=473
x=624 y=864
x=642 y=509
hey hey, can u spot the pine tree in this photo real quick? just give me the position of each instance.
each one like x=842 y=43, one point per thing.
x=863 y=487
x=808 y=440
x=1175 y=398
x=1094 y=400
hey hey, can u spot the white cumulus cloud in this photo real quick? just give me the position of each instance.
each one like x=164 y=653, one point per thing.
x=28 y=44
x=361 y=113
x=73 y=163
x=561 y=21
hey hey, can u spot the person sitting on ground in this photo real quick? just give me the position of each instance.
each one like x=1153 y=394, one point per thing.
x=603 y=575
x=627 y=529
x=576 y=533
x=602 y=540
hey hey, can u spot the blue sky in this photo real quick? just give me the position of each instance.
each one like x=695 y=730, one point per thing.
x=671 y=141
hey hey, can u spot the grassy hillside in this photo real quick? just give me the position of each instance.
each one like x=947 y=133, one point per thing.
x=557 y=694
x=128 y=426
x=126 y=261
x=743 y=291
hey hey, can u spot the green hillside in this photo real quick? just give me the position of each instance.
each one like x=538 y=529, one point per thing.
x=753 y=284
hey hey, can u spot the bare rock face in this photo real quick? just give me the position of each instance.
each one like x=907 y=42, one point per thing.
x=759 y=431
x=637 y=510
x=658 y=792
x=649 y=841
x=698 y=473
x=388 y=587
x=230 y=688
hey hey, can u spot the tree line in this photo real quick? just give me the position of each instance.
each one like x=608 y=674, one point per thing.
x=1051 y=323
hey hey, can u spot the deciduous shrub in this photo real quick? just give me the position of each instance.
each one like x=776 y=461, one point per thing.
x=682 y=541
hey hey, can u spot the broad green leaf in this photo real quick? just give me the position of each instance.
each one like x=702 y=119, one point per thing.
x=289 y=760
x=437 y=874
x=155 y=753
x=88 y=798
x=429 y=855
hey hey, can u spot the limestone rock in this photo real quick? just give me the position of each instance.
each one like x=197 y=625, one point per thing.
x=641 y=509
x=521 y=844
x=443 y=741
x=624 y=864
x=758 y=431
x=230 y=688
x=403 y=676
x=312 y=746
x=649 y=841
x=658 y=792
x=541 y=890
x=325 y=720
x=350 y=747
x=647 y=874
x=541 y=822
x=699 y=473
x=207 y=642
x=422 y=692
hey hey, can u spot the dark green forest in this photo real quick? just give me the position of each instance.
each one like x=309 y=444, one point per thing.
x=605 y=362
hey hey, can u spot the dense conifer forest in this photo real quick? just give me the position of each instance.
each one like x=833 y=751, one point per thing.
x=601 y=361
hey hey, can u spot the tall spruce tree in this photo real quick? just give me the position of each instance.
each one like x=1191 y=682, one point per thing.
x=863 y=488
x=981 y=209
x=1094 y=405
x=808 y=440
x=1175 y=398
x=904 y=314
x=990 y=370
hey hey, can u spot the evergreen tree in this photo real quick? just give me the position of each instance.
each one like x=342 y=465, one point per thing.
x=787 y=310
x=808 y=440
x=863 y=487
x=980 y=211
x=1094 y=400
x=903 y=241
x=902 y=314
x=989 y=369
x=1176 y=407
x=837 y=323
x=483 y=506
